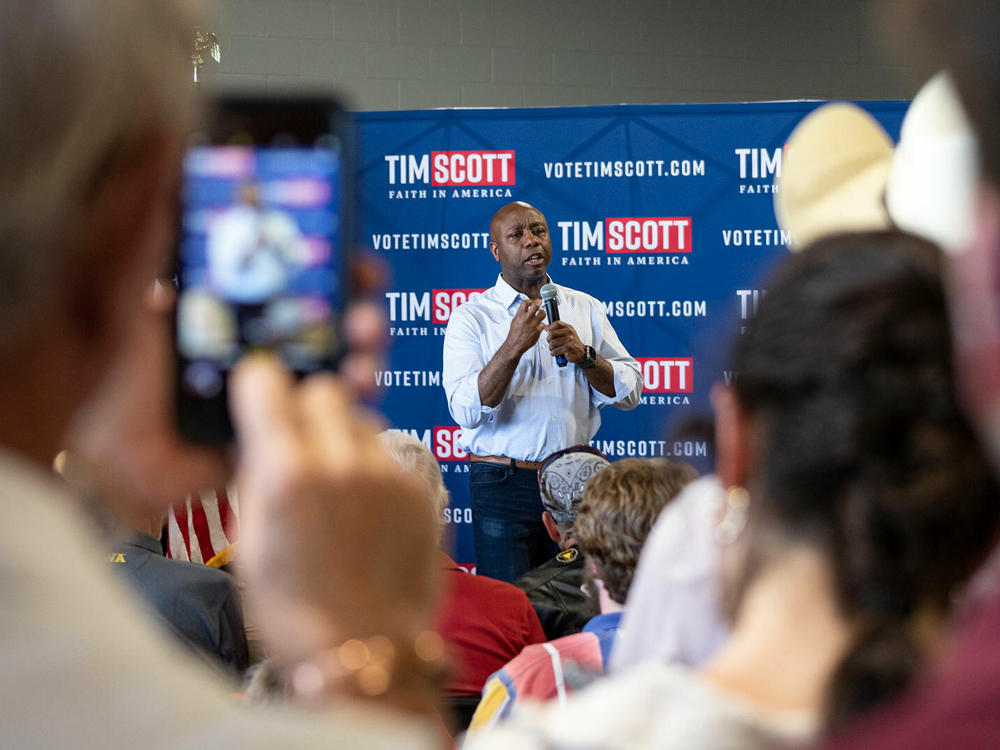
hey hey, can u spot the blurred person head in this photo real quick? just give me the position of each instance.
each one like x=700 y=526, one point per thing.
x=834 y=176
x=415 y=459
x=931 y=187
x=95 y=105
x=844 y=430
x=961 y=36
x=248 y=193
x=618 y=509
x=561 y=481
x=842 y=173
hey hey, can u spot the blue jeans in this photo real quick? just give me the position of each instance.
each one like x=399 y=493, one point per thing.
x=507 y=525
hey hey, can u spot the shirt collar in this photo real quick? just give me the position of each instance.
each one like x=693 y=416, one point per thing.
x=509 y=295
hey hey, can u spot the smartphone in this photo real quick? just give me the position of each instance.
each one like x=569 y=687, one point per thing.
x=266 y=225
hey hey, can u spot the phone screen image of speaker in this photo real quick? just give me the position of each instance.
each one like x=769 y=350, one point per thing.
x=258 y=259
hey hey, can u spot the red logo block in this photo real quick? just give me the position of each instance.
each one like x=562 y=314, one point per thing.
x=465 y=168
x=648 y=234
x=667 y=375
x=446 y=300
x=446 y=444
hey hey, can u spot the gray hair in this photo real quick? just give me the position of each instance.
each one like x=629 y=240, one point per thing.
x=81 y=81
x=415 y=458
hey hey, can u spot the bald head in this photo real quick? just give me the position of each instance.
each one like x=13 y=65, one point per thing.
x=519 y=241
x=498 y=218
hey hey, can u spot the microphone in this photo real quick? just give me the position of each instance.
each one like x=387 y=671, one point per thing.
x=548 y=293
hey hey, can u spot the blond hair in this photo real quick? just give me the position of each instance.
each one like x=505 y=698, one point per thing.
x=619 y=507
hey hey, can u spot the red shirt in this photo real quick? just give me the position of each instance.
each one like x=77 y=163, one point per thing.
x=486 y=623
x=957 y=709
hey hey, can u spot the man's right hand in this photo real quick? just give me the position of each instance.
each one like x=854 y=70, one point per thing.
x=525 y=328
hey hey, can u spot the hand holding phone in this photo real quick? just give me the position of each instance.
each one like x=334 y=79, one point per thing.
x=265 y=230
x=316 y=487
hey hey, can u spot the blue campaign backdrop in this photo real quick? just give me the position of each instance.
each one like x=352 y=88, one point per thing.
x=664 y=212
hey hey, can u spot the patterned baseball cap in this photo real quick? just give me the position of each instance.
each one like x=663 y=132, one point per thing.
x=562 y=477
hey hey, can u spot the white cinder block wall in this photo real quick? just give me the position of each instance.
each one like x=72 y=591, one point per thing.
x=411 y=54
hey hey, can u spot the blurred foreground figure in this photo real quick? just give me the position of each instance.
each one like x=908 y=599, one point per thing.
x=94 y=111
x=673 y=612
x=960 y=708
x=857 y=504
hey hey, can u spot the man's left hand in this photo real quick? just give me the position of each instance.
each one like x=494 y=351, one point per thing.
x=564 y=341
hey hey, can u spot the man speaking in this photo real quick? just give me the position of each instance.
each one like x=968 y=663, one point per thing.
x=514 y=401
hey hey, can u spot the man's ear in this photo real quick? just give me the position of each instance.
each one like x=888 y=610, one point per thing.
x=551 y=527
x=121 y=241
x=495 y=251
x=732 y=437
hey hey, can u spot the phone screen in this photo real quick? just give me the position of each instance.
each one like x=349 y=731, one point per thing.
x=260 y=263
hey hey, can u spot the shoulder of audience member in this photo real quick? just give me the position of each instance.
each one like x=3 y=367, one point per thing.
x=505 y=596
x=211 y=583
x=548 y=570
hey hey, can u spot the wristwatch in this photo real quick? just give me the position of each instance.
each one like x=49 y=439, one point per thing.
x=589 y=359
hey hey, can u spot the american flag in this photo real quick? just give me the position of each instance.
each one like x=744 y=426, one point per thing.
x=204 y=528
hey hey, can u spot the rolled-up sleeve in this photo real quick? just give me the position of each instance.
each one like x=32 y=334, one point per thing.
x=463 y=361
x=627 y=373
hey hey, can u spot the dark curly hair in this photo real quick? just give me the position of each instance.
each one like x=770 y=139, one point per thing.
x=846 y=372
x=620 y=504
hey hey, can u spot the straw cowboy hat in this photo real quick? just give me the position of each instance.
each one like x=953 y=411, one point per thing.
x=841 y=173
x=833 y=176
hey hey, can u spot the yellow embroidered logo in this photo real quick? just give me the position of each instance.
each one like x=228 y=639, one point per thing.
x=568 y=555
x=116 y=557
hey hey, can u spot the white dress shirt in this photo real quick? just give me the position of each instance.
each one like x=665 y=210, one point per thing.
x=251 y=253
x=83 y=665
x=546 y=407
